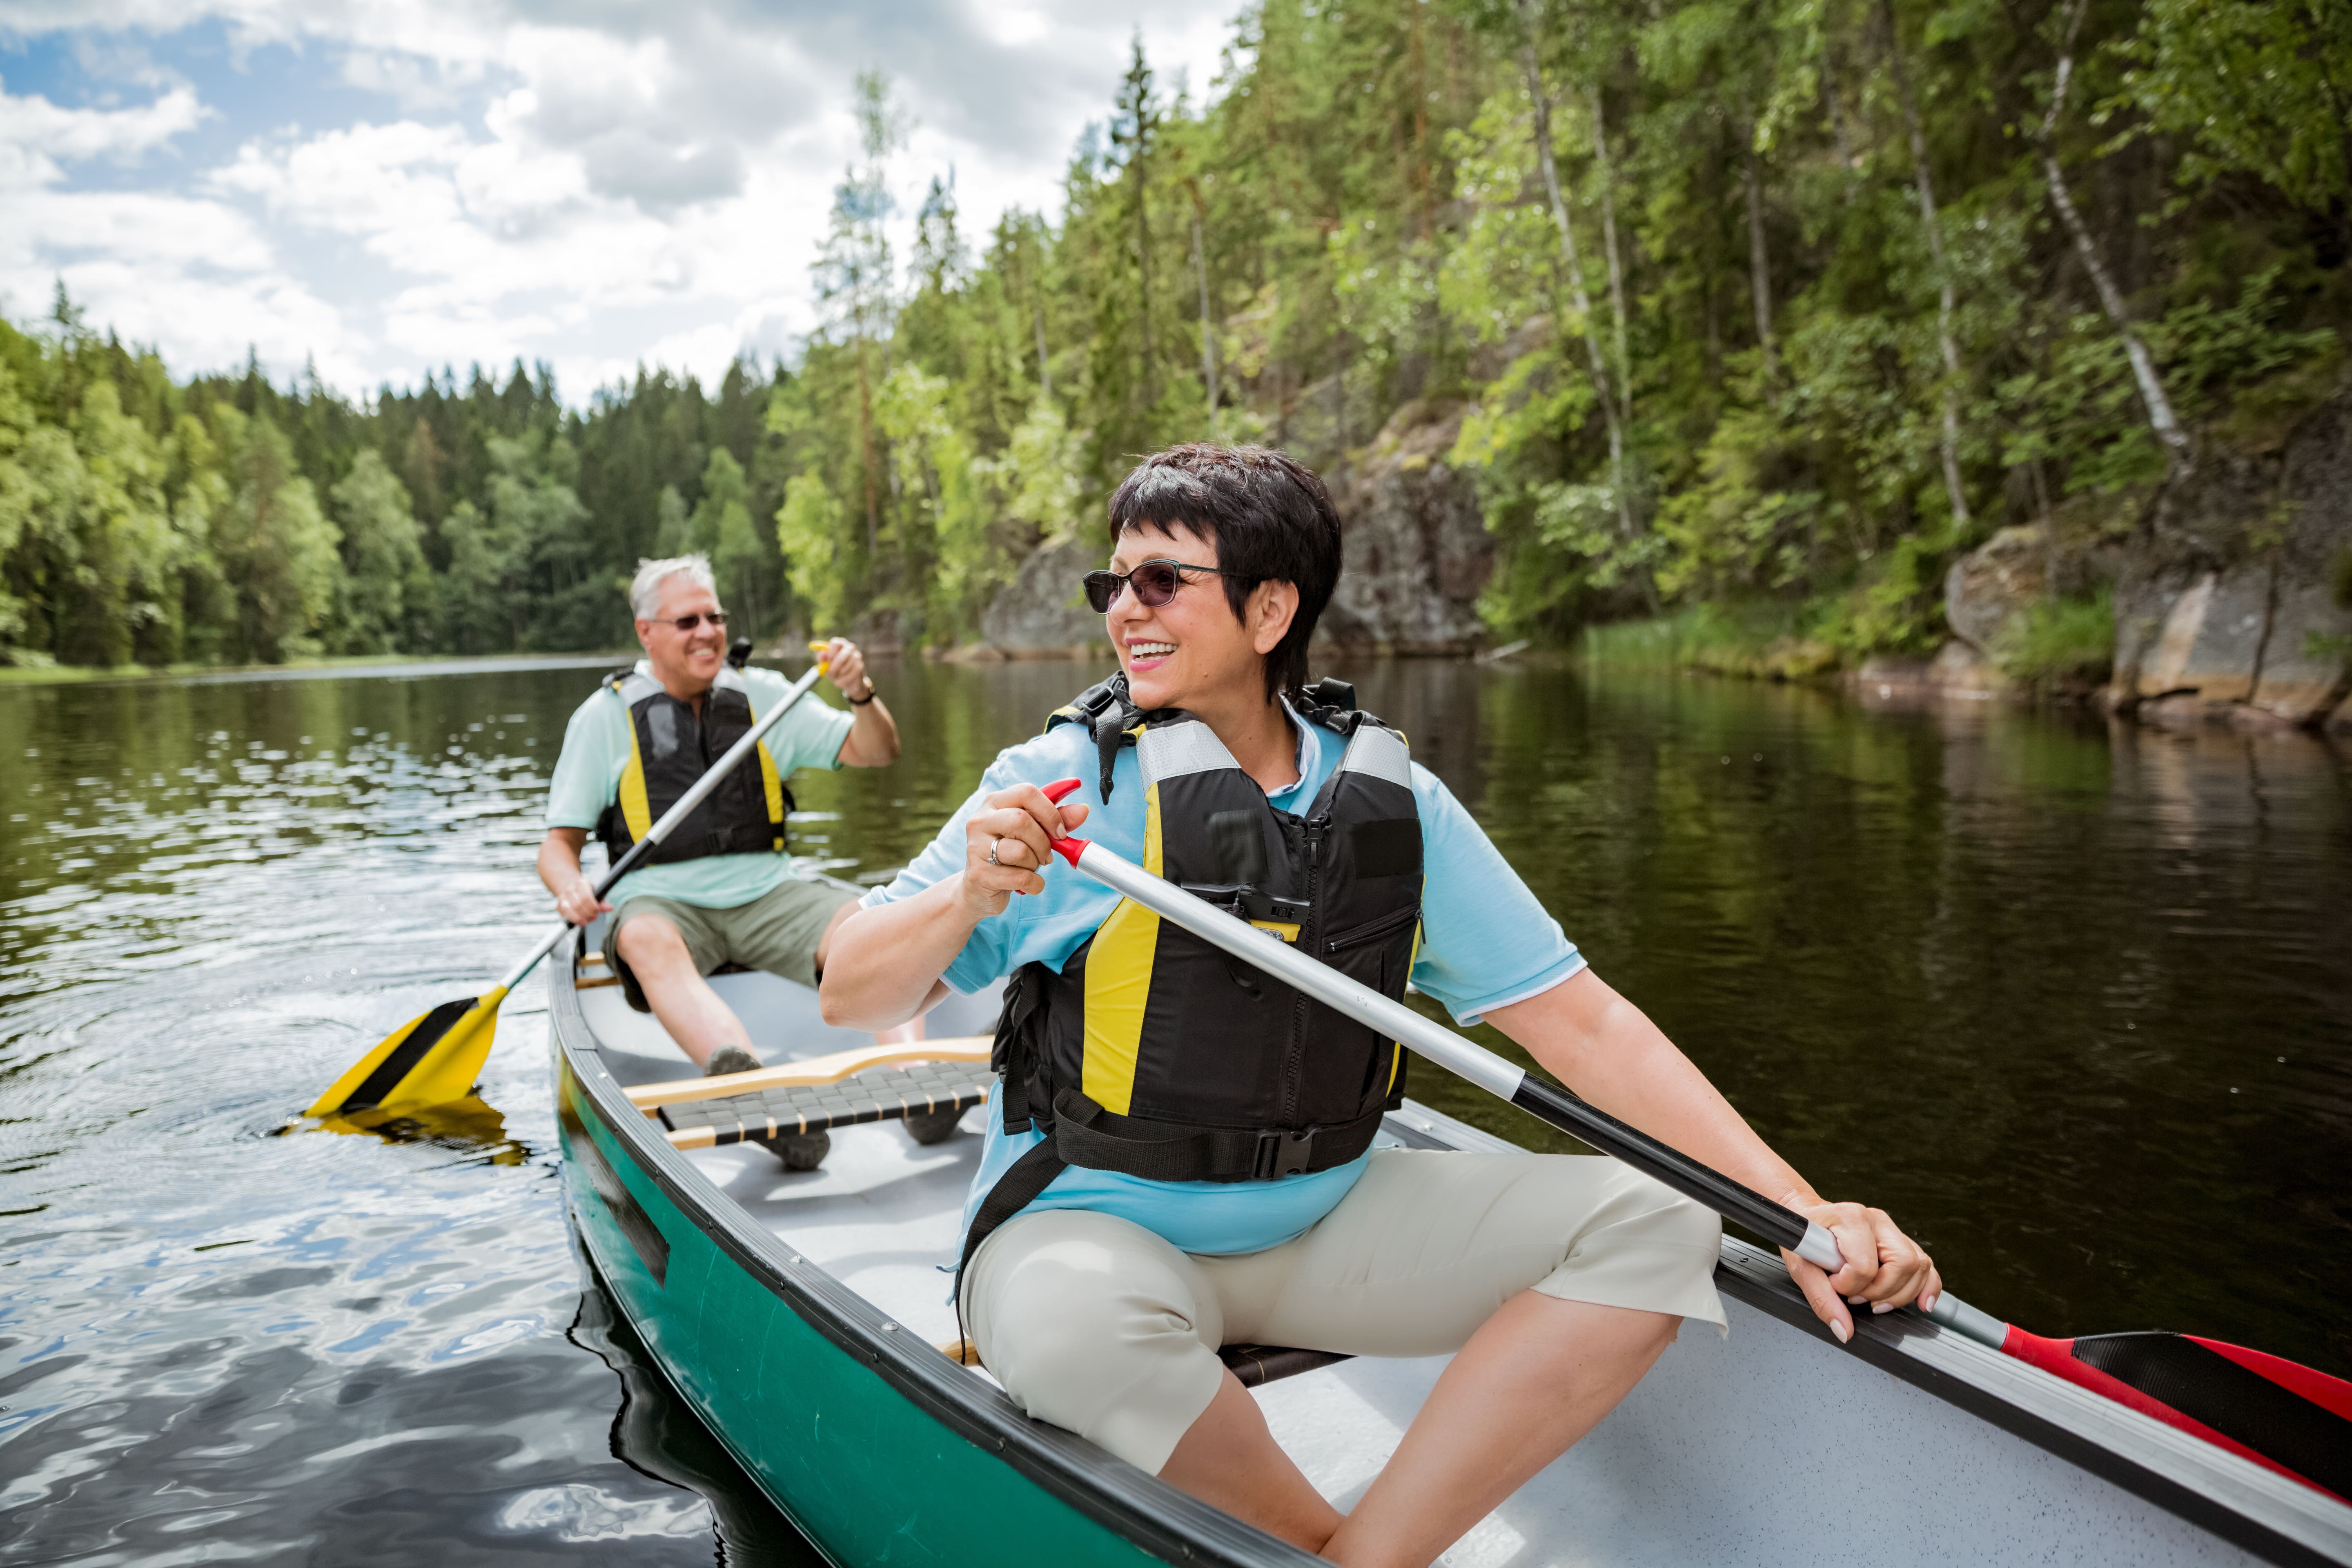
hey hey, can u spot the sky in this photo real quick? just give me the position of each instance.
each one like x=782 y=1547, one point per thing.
x=381 y=189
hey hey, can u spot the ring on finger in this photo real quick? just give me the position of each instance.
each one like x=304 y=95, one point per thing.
x=994 y=844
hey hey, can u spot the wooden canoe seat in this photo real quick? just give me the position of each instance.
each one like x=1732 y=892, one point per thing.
x=940 y=1078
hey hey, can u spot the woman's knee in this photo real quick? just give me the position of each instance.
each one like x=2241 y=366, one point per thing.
x=1074 y=1312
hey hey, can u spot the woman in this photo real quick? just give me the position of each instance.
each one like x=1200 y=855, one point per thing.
x=1177 y=1155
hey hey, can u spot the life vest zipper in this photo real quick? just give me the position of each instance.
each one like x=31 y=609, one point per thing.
x=1370 y=931
x=1294 y=1064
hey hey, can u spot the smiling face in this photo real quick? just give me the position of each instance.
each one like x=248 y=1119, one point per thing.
x=686 y=663
x=1191 y=652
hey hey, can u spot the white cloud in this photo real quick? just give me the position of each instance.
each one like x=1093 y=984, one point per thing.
x=592 y=187
x=37 y=137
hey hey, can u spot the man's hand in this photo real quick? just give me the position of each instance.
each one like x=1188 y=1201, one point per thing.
x=1884 y=1270
x=845 y=668
x=577 y=902
x=1006 y=845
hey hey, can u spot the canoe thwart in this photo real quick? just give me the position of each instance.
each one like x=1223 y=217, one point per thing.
x=1256 y=1365
x=966 y=1049
x=884 y=1094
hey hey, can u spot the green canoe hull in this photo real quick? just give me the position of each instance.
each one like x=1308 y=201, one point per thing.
x=880 y=1452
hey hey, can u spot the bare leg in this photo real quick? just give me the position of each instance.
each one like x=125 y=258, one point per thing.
x=1228 y=1458
x=905 y=1033
x=1536 y=1376
x=684 y=1002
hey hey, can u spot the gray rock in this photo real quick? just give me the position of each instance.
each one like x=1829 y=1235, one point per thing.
x=1042 y=611
x=1994 y=584
x=2234 y=605
x=1417 y=554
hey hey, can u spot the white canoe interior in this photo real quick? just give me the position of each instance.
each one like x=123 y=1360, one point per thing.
x=1764 y=1447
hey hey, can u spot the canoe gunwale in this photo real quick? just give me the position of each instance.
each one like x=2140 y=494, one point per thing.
x=1149 y=1513
x=2265 y=1513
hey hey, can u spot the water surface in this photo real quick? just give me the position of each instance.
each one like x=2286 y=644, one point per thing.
x=2072 y=1001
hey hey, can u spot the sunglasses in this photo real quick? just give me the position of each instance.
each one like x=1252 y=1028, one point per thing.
x=1154 y=581
x=717 y=619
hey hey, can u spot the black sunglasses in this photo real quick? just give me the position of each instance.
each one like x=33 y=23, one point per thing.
x=717 y=619
x=1154 y=581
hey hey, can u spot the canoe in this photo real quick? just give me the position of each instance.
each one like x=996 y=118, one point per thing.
x=803 y=1316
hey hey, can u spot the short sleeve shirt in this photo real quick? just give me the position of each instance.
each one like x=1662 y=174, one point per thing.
x=1487 y=942
x=587 y=779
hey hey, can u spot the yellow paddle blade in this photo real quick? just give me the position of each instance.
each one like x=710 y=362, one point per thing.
x=426 y=1061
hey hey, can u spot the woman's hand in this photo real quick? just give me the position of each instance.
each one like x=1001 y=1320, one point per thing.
x=1006 y=845
x=1884 y=1268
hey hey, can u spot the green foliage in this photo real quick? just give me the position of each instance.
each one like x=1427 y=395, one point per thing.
x=386 y=594
x=2059 y=642
x=1353 y=218
x=808 y=525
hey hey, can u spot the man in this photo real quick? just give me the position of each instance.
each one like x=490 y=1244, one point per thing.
x=1127 y=1218
x=722 y=889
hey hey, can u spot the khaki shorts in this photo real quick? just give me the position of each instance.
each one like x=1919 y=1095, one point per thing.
x=1096 y=1324
x=777 y=932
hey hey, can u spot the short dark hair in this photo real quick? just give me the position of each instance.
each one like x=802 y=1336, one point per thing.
x=1270 y=519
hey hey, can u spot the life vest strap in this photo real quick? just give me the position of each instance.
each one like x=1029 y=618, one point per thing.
x=1099 y=1140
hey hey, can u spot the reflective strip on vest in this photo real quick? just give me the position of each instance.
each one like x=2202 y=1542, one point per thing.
x=1118 y=983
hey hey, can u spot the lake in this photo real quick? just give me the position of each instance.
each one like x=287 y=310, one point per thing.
x=2071 y=999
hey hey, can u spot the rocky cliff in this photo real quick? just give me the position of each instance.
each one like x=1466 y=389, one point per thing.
x=1042 y=612
x=1417 y=549
x=1416 y=556
x=2236 y=602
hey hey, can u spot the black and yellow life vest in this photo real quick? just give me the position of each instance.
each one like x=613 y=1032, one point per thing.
x=669 y=748
x=1152 y=1052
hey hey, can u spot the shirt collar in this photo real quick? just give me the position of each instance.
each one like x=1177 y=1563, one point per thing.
x=1305 y=756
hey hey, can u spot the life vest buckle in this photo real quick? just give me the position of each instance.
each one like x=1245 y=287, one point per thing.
x=1282 y=1154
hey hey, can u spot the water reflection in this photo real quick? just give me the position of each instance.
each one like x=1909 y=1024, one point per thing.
x=2002 y=972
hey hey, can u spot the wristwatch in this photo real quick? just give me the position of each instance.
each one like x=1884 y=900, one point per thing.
x=861 y=701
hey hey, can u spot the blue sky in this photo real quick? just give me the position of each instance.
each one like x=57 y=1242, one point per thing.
x=383 y=187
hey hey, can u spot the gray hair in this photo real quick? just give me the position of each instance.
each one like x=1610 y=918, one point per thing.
x=644 y=588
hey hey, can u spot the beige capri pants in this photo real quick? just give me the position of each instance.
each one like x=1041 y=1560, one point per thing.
x=1096 y=1324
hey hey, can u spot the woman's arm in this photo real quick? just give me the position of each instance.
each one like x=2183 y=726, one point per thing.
x=1609 y=1052
x=885 y=963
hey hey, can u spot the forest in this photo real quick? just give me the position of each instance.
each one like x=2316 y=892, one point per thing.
x=1777 y=303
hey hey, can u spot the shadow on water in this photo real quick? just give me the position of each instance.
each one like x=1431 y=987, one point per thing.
x=2071 y=1000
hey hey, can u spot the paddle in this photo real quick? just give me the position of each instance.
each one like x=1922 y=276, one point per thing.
x=436 y=1057
x=2286 y=1418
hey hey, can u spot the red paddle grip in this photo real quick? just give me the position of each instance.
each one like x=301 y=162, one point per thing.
x=1067 y=848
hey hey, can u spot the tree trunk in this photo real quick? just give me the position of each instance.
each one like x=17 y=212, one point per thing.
x=1208 y=327
x=1616 y=261
x=1944 y=301
x=1759 y=256
x=2160 y=417
x=1143 y=279
x=1840 y=136
x=1044 y=372
x=1572 y=269
x=866 y=463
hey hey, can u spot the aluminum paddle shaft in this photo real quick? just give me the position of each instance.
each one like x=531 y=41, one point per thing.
x=713 y=777
x=1264 y=950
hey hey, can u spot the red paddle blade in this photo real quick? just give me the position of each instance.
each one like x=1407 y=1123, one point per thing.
x=2283 y=1417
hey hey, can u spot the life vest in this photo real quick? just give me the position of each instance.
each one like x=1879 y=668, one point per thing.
x=1156 y=1054
x=669 y=749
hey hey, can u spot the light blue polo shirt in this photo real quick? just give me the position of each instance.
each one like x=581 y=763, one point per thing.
x=587 y=779
x=1485 y=943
